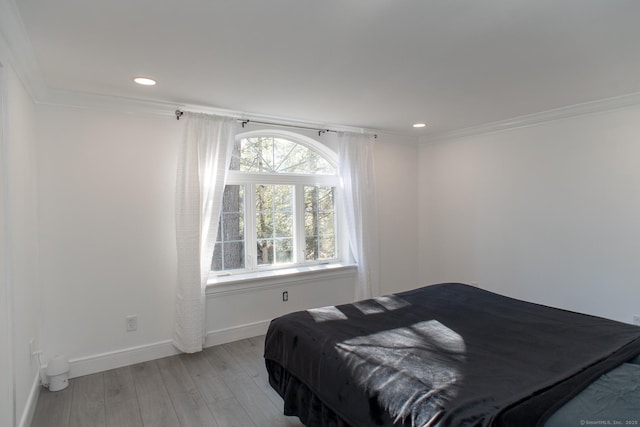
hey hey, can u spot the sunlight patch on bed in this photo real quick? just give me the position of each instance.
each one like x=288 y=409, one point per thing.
x=369 y=307
x=324 y=314
x=391 y=302
x=410 y=371
x=380 y=304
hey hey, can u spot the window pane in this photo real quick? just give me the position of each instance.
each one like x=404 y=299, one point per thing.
x=216 y=261
x=319 y=223
x=277 y=155
x=274 y=224
x=282 y=195
x=233 y=255
x=326 y=223
x=325 y=199
x=283 y=223
x=233 y=224
x=283 y=250
x=327 y=247
x=275 y=251
x=229 y=251
x=255 y=154
x=264 y=225
x=311 y=248
x=228 y=256
x=284 y=153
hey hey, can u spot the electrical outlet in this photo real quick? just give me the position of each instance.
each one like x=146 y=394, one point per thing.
x=285 y=296
x=132 y=323
x=636 y=319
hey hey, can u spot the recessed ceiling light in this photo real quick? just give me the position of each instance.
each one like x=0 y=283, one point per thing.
x=419 y=125
x=145 y=81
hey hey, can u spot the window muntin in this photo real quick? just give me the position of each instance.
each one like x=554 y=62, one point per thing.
x=279 y=206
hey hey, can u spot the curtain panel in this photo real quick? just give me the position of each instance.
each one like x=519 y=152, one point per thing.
x=358 y=193
x=203 y=162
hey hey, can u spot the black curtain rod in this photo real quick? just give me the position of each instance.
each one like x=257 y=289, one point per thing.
x=244 y=122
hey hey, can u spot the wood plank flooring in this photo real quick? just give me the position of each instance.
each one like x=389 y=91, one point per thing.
x=222 y=386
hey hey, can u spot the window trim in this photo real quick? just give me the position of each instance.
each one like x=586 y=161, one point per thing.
x=244 y=282
x=250 y=179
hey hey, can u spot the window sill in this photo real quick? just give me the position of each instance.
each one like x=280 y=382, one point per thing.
x=245 y=282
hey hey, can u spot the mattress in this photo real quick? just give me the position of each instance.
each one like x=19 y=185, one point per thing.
x=613 y=399
x=446 y=355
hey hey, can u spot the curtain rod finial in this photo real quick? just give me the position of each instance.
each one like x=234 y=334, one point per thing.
x=179 y=114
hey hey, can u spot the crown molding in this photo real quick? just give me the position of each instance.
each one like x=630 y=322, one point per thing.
x=121 y=104
x=107 y=103
x=586 y=108
x=17 y=50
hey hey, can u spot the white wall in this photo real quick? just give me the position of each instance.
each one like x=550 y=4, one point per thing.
x=6 y=378
x=20 y=253
x=397 y=187
x=107 y=239
x=547 y=213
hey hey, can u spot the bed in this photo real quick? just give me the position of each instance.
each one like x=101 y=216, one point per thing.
x=448 y=355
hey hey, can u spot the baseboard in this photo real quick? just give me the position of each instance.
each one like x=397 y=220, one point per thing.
x=129 y=356
x=32 y=402
x=119 y=358
x=236 y=333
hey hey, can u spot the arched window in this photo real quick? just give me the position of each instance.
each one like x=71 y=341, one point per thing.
x=279 y=205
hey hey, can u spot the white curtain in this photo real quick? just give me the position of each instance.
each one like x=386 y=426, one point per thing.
x=203 y=162
x=358 y=193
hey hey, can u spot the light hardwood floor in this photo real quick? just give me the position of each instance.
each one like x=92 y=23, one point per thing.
x=222 y=386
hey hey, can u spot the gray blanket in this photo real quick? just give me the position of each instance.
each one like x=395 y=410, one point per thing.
x=445 y=355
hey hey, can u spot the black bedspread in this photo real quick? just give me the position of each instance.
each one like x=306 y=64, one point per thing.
x=445 y=355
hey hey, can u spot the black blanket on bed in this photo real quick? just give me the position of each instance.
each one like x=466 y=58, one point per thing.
x=446 y=355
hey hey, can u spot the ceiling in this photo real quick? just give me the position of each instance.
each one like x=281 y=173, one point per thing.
x=375 y=64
